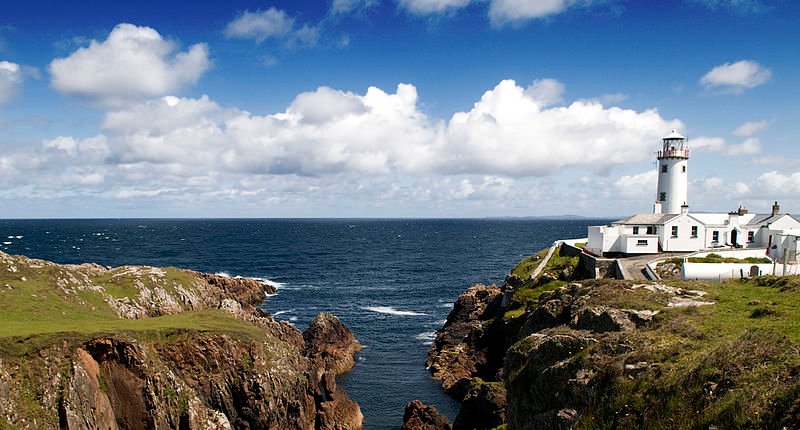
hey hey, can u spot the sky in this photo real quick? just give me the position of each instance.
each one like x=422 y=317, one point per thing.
x=393 y=108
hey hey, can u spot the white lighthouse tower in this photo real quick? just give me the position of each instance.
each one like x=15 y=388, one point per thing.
x=673 y=183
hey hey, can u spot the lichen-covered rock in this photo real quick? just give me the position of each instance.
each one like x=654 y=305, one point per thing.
x=418 y=416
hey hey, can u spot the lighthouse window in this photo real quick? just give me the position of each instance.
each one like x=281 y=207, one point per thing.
x=674 y=231
x=683 y=168
x=664 y=169
x=662 y=196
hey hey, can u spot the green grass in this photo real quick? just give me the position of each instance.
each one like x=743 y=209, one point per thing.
x=524 y=269
x=34 y=308
x=716 y=258
x=744 y=349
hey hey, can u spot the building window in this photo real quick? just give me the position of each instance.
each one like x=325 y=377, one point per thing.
x=674 y=231
x=641 y=242
x=651 y=229
x=684 y=169
x=662 y=196
x=750 y=236
x=715 y=236
x=694 y=231
x=636 y=230
x=664 y=168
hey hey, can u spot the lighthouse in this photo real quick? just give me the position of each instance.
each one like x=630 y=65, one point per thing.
x=673 y=183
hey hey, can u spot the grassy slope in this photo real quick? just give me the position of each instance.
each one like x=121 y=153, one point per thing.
x=735 y=363
x=32 y=305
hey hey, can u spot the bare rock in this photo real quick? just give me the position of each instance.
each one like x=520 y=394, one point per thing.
x=329 y=344
x=484 y=407
x=600 y=319
x=417 y=416
x=467 y=345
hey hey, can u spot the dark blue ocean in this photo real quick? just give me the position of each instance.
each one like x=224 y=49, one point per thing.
x=392 y=282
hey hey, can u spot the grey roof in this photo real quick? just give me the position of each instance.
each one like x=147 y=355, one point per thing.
x=763 y=219
x=647 y=219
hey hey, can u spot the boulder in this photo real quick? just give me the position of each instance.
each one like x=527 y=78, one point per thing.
x=417 y=416
x=329 y=344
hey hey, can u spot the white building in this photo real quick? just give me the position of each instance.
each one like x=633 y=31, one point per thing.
x=671 y=228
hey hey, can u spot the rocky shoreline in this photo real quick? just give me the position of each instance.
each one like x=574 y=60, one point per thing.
x=218 y=362
x=556 y=353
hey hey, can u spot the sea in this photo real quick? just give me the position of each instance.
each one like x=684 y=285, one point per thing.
x=392 y=281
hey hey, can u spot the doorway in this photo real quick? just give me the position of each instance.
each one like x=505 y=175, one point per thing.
x=734 y=238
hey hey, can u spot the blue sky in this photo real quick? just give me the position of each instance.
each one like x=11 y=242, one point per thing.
x=393 y=108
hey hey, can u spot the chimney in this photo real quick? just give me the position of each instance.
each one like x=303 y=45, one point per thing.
x=657 y=208
x=742 y=210
x=776 y=209
x=684 y=208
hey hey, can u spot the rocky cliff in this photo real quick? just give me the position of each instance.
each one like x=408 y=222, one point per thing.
x=549 y=353
x=91 y=347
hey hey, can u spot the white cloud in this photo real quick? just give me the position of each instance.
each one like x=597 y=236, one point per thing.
x=750 y=146
x=736 y=77
x=349 y=6
x=641 y=186
x=272 y=23
x=508 y=132
x=426 y=7
x=514 y=11
x=703 y=143
x=10 y=79
x=717 y=144
x=335 y=146
x=737 y=6
x=750 y=128
x=260 y=25
x=546 y=91
x=133 y=62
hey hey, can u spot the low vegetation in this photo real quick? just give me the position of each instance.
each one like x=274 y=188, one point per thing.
x=40 y=302
x=716 y=258
x=734 y=364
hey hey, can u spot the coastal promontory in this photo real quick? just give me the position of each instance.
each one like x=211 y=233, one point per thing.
x=133 y=347
x=554 y=351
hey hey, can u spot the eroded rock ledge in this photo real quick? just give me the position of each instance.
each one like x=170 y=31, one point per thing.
x=209 y=371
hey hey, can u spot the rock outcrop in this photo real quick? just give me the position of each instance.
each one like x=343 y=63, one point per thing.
x=621 y=354
x=216 y=362
x=469 y=345
x=330 y=345
x=418 y=416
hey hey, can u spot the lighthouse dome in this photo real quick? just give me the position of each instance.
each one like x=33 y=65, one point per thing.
x=673 y=135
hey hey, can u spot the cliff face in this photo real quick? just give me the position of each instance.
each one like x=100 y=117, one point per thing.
x=141 y=348
x=616 y=354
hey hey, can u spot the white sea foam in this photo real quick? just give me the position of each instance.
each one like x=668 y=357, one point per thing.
x=427 y=337
x=223 y=274
x=293 y=319
x=282 y=312
x=19 y=237
x=6 y=243
x=392 y=311
x=446 y=305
